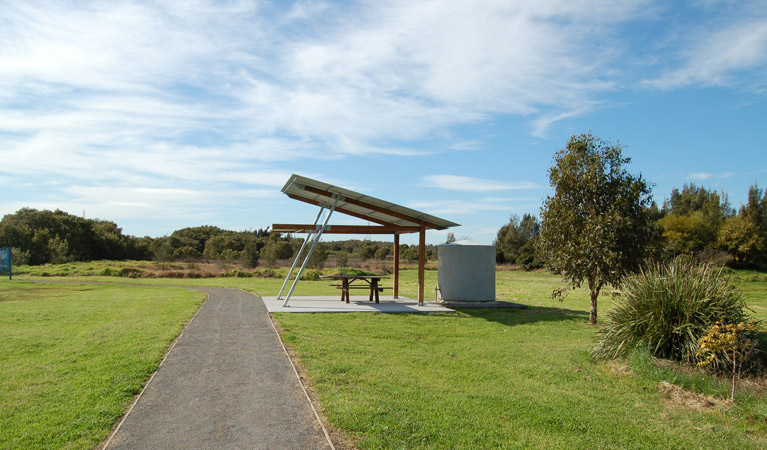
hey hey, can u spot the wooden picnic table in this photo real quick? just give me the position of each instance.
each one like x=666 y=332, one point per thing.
x=365 y=282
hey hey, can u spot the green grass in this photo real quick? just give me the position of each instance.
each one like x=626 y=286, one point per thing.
x=498 y=379
x=73 y=357
x=506 y=379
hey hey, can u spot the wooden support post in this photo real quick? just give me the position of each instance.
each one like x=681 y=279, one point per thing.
x=395 y=292
x=421 y=262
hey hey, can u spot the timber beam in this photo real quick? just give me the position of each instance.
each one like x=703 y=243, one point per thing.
x=343 y=229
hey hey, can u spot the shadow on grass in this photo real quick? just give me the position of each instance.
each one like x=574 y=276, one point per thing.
x=531 y=314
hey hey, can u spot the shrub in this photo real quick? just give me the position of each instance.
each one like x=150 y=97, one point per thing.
x=236 y=273
x=667 y=308
x=130 y=272
x=728 y=344
x=266 y=273
x=351 y=271
x=342 y=259
x=311 y=275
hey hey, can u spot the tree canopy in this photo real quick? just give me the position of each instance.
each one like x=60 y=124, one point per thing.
x=514 y=242
x=691 y=219
x=597 y=226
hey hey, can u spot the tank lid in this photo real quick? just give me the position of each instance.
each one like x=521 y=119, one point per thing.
x=467 y=242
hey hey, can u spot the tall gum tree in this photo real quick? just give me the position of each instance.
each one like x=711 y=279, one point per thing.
x=596 y=227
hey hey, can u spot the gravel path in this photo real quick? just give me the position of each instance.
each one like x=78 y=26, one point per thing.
x=227 y=383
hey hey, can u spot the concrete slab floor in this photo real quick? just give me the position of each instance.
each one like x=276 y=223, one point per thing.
x=317 y=304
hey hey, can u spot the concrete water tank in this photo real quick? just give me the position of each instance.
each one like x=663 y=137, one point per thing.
x=466 y=272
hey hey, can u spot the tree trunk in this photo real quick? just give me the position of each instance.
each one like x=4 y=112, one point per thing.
x=594 y=288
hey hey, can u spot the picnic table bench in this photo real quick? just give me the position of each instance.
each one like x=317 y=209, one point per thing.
x=368 y=282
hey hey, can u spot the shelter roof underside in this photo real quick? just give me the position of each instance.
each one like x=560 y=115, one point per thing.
x=390 y=217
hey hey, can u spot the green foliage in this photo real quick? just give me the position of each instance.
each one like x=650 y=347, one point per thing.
x=367 y=251
x=351 y=271
x=276 y=248
x=19 y=257
x=667 y=308
x=311 y=275
x=382 y=253
x=252 y=252
x=596 y=227
x=687 y=234
x=693 y=199
x=375 y=249
x=197 y=236
x=754 y=212
x=267 y=273
x=186 y=253
x=162 y=250
x=342 y=259
x=217 y=245
x=515 y=235
x=319 y=256
x=692 y=218
x=56 y=236
x=527 y=258
x=410 y=254
x=741 y=239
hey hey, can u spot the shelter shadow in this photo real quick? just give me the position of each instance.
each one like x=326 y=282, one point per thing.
x=532 y=314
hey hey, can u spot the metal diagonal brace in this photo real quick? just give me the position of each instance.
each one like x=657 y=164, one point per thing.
x=303 y=245
x=317 y=237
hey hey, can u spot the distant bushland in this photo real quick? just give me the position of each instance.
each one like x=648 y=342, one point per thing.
x=40 y=237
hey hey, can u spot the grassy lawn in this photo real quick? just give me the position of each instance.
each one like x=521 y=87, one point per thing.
x=73 y=357
x=508 y=379
x=471 y=380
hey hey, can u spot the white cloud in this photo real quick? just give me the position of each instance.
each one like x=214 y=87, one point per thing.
x=699 y=176
x=470 y=184
x=702 y=176
x=456 y=207
x=714 y=55
x=206 y=96
x=123 y=76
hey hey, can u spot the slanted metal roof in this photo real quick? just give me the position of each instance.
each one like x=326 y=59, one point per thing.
x=362 y=206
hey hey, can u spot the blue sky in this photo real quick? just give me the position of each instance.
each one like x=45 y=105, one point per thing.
x=164 y=115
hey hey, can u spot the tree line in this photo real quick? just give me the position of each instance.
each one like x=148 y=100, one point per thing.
x=693 y=221
x=42 y=237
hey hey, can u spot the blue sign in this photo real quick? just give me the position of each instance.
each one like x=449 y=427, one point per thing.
x=5 y=261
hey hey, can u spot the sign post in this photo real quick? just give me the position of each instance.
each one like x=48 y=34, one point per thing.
x=5 y=261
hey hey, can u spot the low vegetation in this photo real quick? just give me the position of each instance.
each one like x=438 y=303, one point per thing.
x=516 y=379
x=483 y=379
x=73 y=357
x=668 y=308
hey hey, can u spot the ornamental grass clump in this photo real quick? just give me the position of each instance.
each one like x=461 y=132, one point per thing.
x=667 y=307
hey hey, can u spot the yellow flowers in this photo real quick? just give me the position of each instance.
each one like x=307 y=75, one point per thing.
x=725 y=340
x=730 y=341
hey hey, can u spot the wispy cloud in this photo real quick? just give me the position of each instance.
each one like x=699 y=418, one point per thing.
x=719 y=47
x=699 y=176
x=201 y=95
x=456 y=207
x=702 y=176
x=398 y=71
x=470 y=184
x=466 y=207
